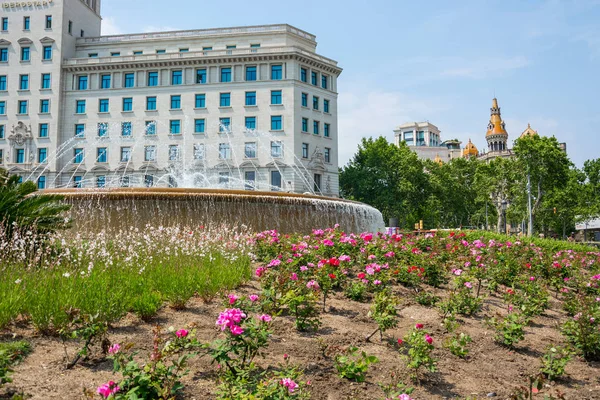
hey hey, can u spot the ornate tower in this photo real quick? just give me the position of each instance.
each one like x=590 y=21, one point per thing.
x=496 y=136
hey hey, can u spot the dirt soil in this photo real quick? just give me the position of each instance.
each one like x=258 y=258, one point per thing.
x=489 y=368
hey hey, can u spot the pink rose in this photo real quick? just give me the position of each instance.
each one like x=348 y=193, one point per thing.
x=236 y=330
x=253 y=297
x=182 y=333
x=232 y=299
x=114 y=349
x=108 y=389
x=419 y=326
x=266 y=318
x=428 y=339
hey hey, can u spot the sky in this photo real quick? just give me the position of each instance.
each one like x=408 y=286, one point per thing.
x=436 y=61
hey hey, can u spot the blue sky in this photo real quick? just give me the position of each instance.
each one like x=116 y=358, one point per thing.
x=441 y=61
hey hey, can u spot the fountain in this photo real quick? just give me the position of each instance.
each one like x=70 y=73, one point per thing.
x=197 y=198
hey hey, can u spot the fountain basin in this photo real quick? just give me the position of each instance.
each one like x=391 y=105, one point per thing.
x=121 y=208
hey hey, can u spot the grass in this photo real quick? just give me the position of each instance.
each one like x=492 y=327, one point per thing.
x=10 y=354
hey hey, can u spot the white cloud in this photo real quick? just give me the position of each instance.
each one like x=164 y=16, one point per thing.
x=484 y=68
x=109 y=26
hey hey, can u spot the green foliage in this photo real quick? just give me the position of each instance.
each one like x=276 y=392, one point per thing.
x=87 y=328
x=510 y=330
x=395 y=387
x=554 y=361
x=19 y=210
x=419 y=351
x=583 y=330
x=303 y=306
x=457 y=344
x=352 y=366
x=11 y=353
x=383 y=310
x=461 y=301
x=356 y=291
x=426 y=299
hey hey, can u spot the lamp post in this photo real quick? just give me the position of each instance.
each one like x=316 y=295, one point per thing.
x=504 y=206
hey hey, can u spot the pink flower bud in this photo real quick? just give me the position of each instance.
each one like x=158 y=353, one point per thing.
x=182 y=333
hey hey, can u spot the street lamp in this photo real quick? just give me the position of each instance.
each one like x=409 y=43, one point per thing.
x=504 y=206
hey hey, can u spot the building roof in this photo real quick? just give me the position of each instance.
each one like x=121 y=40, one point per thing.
x=529 y=132
x=470 y=150
x=496 y=125
x=417 y=125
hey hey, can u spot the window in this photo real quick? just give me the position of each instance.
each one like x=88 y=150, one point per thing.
x=176 y=102
x=42 y=155
x=198 y=151
x=325 y=106
x=250 y=150
x=2 y=107
x=304 y=124
x=209 y=48
x=304 y=150
x=93 y=55
x=103 y=105
x=24 y=82
x=304 y=99
x=276 y=124
x=70 y=28
x=326 y=130
x=250 y=180
x=276 y=72
x=251 y=73
x=20 y=156
x=161 y=51
x=48 y=21
x=250 y=98
x=47 y=53
x=276 y=97
x=101 y=181
x=102 y=129
x=115 y=54
x=129 y=80
x=125 y=154
x=224 y=124
x=127 y=104
x=153 y=78
x=25 y=54
x=173 y=152
x=138 y=52
x=80 y=107
x=201 y=75
x=225 y=100
x=23 y=107
x=45 y=81
x=201 y=100
x=316 y=127
x=79 y=130
x=150 y=153
x=199 y=125
x=175 y=127
x=2 y=133
x=44 y=106
x=255 y=46
x=77 y=156
x=177 y=77
x=150 y=128
x=303 y=75
x=327 y=155
x=151 y=103
x=1 y=156
x=226 y=74
x=126 y=129
x=43 y=131
x=102 y=155
x=324 y=81
x=224 y=178
x=275 y=180
x=224 y=151
x=2 y=82
x=82 y=82
x=4 y=23
x=105 y=81
x=26 y=23
x=250 y=123
x=230 y=46
x=317 y=179
x=148 y=180
x=276 y=149
x=124 y=181
x=314 y=77
x=3 y=55
x=315 y=103
x=185 y=50
x=41 y=183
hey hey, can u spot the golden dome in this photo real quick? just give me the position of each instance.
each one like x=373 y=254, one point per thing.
x=529 y=132
x=470 y=150
x=496 y=125
x=438 y=159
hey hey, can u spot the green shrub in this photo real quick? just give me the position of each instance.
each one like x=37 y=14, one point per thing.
x=352 y=366
x=554 y=362
x=11 y=353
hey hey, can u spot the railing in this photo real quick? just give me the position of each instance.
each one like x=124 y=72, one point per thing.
x=196 y=54
x=199 y=32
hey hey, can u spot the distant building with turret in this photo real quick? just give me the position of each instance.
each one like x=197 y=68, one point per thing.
x=425 y=139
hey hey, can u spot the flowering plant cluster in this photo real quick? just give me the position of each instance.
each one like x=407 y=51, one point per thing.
x=420 y=346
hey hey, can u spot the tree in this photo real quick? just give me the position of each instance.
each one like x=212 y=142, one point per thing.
x=21 y=210
x=388 y=177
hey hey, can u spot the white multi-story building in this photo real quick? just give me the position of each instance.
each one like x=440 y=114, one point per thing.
x=247 y=107
x=425 y=139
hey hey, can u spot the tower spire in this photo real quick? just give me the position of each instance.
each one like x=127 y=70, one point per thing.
x=496 y=136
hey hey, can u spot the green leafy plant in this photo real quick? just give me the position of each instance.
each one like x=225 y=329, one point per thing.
x=420 y=347
x=554 y=362
x=356 y=291
x=395 y=387
x=426 y=299
x=303 y=306
x=384 y=312
x=88 y=328
x=583 y=330
x=352 y=366
x=461 y=301
x=509 y=330
x=11 y=353
x=457 y=344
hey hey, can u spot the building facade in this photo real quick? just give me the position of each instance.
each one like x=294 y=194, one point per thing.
x=247 y=107
x=425 y=139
